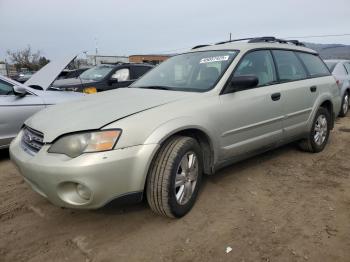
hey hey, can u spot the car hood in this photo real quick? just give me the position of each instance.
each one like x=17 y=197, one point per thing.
x=46 y=75
x=55 y=97
x=71 y=82
x=97 y=110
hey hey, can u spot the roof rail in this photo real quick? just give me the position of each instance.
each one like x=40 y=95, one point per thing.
x=271 y=39
x=234 y=40
x=266 y=39
x=199 y=46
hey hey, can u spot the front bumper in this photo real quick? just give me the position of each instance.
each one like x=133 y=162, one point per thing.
x=108 y=175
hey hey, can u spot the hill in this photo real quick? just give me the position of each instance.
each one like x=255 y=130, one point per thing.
x=331 y=51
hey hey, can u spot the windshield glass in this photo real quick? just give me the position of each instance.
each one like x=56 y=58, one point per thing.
x=198 y=71
x=96 y=73
x=331 y=65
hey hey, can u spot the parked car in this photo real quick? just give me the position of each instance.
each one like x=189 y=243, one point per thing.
x=18 y=102
x=191 y=115
x=23 y=76
x=341 y=71
x=102 y=78
x=72 y=73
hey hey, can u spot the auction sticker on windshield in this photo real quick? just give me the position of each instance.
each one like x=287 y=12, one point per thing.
x=214 y=59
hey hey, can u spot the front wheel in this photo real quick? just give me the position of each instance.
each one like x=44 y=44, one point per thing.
x=174 y=177
x=345 y=105
x=319 y=133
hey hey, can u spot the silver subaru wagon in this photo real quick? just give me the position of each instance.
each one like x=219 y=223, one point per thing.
x=189 y=116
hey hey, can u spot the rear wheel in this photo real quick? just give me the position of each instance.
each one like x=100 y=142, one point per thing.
x=319 y=133
x=174 y=177
x=345 y=105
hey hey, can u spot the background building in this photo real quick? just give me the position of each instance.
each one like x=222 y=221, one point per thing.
x=151 y=59
x=106 y=59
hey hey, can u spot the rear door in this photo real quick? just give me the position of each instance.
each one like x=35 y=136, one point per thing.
x=138 y=71
x=251 y=120
x=298 y=93
x=14 y=110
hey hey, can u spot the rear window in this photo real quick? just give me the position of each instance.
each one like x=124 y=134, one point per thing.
x=314 y=64
x=347 y=66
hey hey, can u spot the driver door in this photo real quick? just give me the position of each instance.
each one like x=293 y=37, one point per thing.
x=251 y=119
x=121 y=78
x=14 y=110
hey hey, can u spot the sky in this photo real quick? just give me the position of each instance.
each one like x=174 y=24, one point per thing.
x=124 y=27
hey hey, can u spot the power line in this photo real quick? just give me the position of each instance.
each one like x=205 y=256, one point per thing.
x=289 y=37
x=315 y=36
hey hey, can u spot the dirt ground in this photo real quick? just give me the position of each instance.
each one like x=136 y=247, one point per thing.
x=285 y=205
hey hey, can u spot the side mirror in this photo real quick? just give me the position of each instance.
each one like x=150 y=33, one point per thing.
x=19 y=91
x=113 y=80
x=239 y=83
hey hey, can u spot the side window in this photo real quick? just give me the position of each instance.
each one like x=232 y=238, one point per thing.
x=314 y=64
x=347 y=66
x=121 y=74
x=260 y=64
x=139 y=71
x=289 y=67
x=5 y=88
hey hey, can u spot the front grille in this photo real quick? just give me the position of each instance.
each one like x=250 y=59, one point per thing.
x=32 y=140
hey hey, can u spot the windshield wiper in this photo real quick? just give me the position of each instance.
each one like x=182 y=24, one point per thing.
x=155 y=87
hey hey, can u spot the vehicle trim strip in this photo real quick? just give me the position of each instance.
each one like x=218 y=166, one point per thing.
x=244 y=128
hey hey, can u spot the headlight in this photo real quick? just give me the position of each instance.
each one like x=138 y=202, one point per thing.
x=77 y=144
x=90 y=90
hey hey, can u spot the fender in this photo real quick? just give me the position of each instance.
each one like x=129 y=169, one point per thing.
x=171 y=127
x=319 y=101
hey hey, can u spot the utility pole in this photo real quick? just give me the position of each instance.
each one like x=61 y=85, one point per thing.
x=96 y=51
x=7 y=70
x=230 y=36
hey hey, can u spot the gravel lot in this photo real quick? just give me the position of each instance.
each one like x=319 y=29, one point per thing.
x=285 y=205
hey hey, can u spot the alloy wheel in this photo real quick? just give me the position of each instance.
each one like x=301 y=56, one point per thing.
x=186 y=178
x=320 y=130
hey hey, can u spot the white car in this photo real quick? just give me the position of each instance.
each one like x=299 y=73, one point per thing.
x=18 y=102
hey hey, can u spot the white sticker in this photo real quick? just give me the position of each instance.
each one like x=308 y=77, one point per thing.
x=214 y=59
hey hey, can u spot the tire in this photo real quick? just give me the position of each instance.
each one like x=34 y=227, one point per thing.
x=163 y=195
x=311 y=143
x=344 y=105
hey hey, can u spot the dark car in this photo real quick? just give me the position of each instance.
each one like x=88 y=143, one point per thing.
x=72 y=73
x=103 y=77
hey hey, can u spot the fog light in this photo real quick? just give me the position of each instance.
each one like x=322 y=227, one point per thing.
x=83 y=191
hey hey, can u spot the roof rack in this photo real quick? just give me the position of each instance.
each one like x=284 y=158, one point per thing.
x=266 y=39
x=234 y=40
x=223 y=42
x=271 y=39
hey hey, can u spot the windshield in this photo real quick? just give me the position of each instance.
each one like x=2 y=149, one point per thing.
x=96 y=73
x=331 y=65
x=198 y=71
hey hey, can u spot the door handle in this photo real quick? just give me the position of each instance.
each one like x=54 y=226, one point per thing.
x=276 y=96
x=313 y=89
